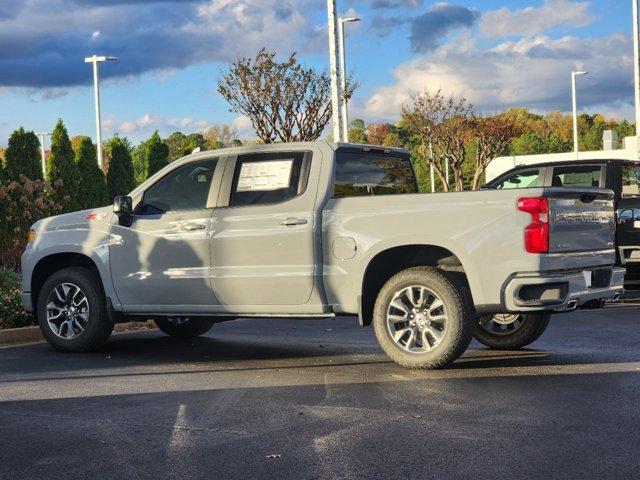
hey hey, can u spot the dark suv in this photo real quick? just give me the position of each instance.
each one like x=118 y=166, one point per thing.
x=621 y=176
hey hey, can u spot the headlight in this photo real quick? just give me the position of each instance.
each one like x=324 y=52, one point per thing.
x=32 y=235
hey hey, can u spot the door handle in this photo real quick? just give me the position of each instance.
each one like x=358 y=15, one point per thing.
x=290 y=222
x=194 y=227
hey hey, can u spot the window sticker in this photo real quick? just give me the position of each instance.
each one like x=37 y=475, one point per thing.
x=265 y=176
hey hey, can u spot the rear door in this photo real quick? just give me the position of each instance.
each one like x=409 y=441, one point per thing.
x=262 y=245
x=628 y=222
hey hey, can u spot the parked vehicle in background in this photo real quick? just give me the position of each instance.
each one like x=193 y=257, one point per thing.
x=316 y=230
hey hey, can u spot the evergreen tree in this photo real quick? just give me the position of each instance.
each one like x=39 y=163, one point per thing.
x=61 y=166
x=157 y=155
x=139 y=158
x=120 y=175
x=22 y=156
x=93 y=189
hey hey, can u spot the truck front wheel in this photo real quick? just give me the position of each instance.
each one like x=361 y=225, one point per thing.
x=184 y=327
x=72 y=311
x=510 y=331
x=422 y=318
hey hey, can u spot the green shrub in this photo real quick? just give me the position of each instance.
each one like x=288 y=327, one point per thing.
x=120 y=179
x=93 y=193
x=23 y=156
x=11 y=313
x=62 y=166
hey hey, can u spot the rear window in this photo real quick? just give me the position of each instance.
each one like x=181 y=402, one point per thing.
x=366 y=174
x=577 y=176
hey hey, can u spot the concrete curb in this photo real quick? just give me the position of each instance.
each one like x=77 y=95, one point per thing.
x=19 y=336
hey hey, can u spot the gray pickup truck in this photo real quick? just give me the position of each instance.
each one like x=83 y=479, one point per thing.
x=317 y=230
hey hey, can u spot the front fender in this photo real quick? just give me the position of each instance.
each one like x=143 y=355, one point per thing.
x=92 y=243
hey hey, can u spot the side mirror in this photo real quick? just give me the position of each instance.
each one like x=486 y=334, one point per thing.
x=123 y=208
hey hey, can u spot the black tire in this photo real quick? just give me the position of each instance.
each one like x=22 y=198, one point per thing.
x=97 y=326
x=184 y=328
x=529 y=328
x=457 y=331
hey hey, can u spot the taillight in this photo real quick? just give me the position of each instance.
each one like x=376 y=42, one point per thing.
x=536 y=235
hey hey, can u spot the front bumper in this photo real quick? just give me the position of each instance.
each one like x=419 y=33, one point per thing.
x=27 y=303
x=562 y=291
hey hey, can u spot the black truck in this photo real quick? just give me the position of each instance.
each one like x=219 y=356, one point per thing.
x=621 y=176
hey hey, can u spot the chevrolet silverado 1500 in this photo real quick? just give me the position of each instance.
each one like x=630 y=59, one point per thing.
x=319 y=230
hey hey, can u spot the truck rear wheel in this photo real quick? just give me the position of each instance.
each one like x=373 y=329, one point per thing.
x=72 y=311
x=422 y=318
x=184 y=327
x=510 y=331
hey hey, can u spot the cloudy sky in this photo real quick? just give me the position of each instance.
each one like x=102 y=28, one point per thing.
x=496 y=53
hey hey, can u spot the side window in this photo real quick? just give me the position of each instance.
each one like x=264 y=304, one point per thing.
x=361 y=174
x=185 y=188
x=262 y=179
x=525 y=179
x=630 y=181
x=625 y=215
x=578 y=176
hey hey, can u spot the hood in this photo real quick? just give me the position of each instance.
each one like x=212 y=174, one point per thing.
x=75 y=220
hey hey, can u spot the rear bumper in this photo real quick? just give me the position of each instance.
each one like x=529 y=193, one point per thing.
x=562 y=291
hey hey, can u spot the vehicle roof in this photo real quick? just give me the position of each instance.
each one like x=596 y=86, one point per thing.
x=565 y=163
x=276 y=147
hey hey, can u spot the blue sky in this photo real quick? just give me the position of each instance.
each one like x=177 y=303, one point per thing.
x=495 y=53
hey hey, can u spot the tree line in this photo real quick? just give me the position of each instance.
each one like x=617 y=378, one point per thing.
x=72 y=165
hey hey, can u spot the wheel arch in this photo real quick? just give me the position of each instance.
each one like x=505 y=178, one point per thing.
x=390 y=261
x=48 y=265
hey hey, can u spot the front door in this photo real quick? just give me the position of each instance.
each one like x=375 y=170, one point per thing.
x=263 y=241
x=161 y=262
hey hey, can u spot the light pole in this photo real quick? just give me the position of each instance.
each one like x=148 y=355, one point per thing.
x=41 y=135
x=636 y=69
x=95 y=59
x=333 y=68
x=343 y=76
x=576 y=144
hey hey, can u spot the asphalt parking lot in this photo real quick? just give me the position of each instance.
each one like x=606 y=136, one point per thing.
x=317 y=399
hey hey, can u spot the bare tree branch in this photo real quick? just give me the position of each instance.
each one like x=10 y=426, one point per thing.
x=284 y=101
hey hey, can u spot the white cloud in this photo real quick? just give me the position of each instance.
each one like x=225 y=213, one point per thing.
x=531 y=21
x=244 y=127
x=148 y=123
x=534 y=73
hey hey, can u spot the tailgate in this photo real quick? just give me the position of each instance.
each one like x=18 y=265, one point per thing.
x=582 y=227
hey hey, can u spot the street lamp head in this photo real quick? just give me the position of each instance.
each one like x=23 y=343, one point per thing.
x=580 y=72
x=99 y=58
x=350 y=19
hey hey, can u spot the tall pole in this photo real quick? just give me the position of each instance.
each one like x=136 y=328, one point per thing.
x=343 y=82
x=95 y=60
x=343 y=76
x=431 y=172
x=43 y=154
x=576 y=146
x=636 y=69
x=96 y=97
x=333 y=67
x=576 y=139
